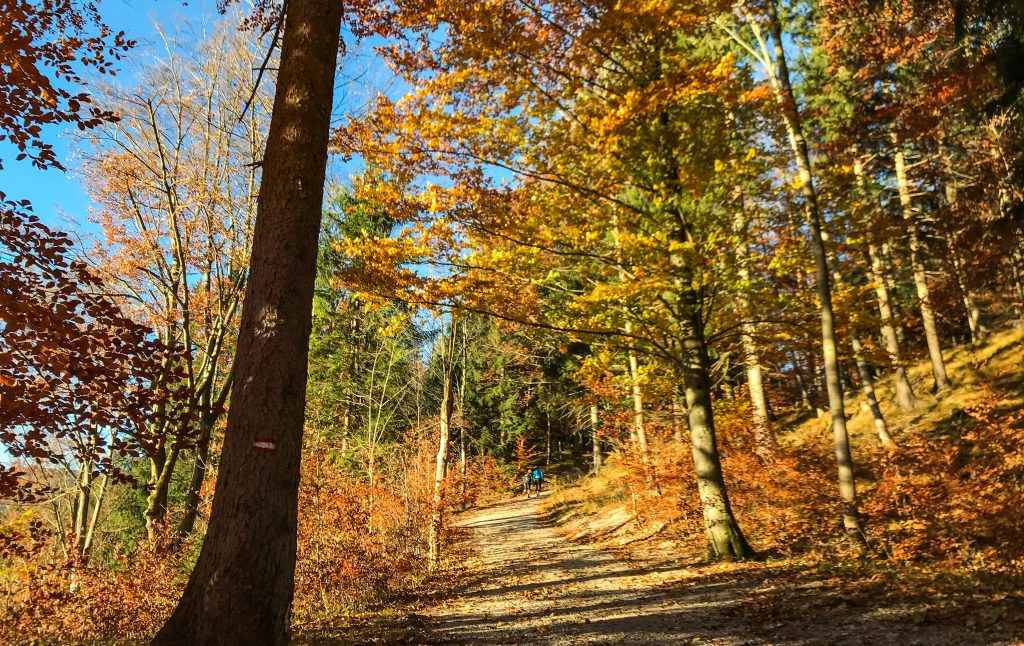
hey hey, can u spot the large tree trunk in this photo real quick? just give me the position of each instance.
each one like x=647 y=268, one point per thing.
x=725 y=539
x=241 y=589
x=791 y=115
x=931 y=331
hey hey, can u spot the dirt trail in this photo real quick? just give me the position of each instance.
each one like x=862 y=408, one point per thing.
x=528 y=585
x=531 y=586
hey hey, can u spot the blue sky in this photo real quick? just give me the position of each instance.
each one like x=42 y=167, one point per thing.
x=58 y=198
x=51 y=191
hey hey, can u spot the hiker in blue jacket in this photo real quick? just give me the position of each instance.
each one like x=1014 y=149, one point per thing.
x=537 y=477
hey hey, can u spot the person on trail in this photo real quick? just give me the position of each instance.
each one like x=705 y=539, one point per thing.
x=538 y=479
x=527 y=483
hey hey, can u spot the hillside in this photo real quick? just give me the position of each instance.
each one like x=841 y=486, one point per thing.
x=945 y=548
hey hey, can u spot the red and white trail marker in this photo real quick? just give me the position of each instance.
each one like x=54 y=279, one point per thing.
x=264 y=445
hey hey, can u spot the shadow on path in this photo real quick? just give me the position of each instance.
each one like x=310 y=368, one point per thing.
x=530 y=586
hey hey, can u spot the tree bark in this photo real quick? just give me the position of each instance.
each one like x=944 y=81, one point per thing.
x=161 y=469
x=791 y=115
x=953 y=245
x=80 y=519
x=931 y=332
x=725 y=539
x=90 y=532
x=199 y=469
x=867 y=380
x=975 y=322
x=801 y=382
x=441 y=466
x=595 y=439
x=877 y=274
x=639 y=430
x=764 y=439
x=678 y=414
x=1016 y=261
x=547 y=450
x=868 y=386
x=241 y=589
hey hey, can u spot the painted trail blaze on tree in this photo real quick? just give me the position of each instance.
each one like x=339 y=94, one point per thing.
x=241 y=589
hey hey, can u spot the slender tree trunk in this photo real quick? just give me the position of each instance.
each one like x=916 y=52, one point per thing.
x=866 y=378
x=547 y=422
x=899 y=313
x=1016 y=261
x=955 y=249
x=931 y=331
x=975 y=322
x=440 y=468
x=461 y=415
x=161 y=470
x=639 y=431
x=844 y=459
x=195 y=485
x=595 y=439
x=678 y=414
x=868 y=386
x=764 y=439
x=241 y=589
x=805 y=392
x=90 y=532
x=80 y=519
x=877 y=274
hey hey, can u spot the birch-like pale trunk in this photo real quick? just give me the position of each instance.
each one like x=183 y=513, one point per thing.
x=778 y=75
x=878 y=275
x=764 y=439
x=441 y=464
x=931 y=331
x=954 y=247
x=867 y=380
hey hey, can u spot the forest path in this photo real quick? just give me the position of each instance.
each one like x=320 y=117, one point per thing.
x=528 y=585
x=531 y=586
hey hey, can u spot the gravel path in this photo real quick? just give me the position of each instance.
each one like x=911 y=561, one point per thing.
x=528 y=585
